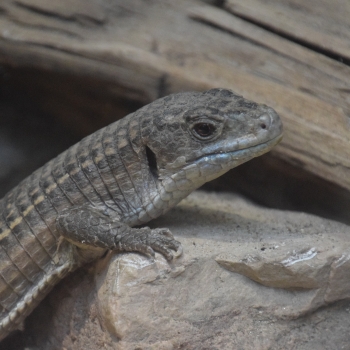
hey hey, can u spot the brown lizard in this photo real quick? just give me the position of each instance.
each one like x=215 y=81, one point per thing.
x=87 y=200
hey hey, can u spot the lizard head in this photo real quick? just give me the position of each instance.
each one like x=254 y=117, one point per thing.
x=194 y=137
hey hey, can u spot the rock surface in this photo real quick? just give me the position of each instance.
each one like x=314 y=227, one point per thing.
x=210 y=298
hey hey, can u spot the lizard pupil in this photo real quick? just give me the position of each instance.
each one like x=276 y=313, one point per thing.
x=204 y=129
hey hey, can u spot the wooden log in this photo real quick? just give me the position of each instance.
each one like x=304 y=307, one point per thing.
x=141 y=50
x=322 y=25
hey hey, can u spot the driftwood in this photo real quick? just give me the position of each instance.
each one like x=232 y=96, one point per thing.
x=79 y=58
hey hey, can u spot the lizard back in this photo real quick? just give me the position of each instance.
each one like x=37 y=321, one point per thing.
x=87 y=173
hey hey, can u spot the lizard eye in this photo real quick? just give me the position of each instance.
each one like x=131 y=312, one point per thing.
x=203 y=130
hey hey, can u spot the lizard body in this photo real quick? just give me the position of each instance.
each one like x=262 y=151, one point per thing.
x=88 y=199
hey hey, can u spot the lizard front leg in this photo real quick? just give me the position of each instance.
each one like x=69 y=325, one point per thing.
x=89 y=226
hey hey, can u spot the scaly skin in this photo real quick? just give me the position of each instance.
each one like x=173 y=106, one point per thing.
x=87 y=200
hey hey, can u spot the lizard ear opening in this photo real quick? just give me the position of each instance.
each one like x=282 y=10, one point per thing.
x=152 y=162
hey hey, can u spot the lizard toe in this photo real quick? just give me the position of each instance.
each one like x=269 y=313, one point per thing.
x=163 y=231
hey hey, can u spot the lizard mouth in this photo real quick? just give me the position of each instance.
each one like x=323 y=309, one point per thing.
x=214 y=164
x=240 y=154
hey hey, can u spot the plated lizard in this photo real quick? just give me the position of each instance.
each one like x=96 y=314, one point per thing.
x=88 y=199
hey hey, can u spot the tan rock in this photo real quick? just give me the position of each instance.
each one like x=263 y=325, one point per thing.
x=145 y=302
x=204 y=300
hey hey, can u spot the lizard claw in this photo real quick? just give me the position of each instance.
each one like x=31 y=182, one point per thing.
x=178 y=252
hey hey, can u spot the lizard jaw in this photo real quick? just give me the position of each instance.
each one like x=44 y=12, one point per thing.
x=211 y=166
x=214 y=165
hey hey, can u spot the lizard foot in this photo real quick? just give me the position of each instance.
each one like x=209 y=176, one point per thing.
x=147 y=241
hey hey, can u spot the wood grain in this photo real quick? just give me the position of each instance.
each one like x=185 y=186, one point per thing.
x=322 y=24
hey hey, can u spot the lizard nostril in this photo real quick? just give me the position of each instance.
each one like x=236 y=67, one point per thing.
x=264 y=121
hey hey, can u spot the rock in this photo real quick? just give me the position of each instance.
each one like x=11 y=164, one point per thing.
x=210 y=298
x=304 y=263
